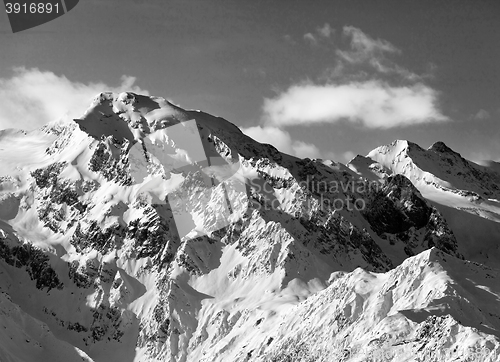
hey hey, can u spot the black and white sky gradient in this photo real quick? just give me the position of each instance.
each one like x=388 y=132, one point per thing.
x=315 y=78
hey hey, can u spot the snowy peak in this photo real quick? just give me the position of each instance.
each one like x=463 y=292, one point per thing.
x=438 y=166
x=128 y=116
x=132 y=116
x=396 y=147
x=465 y=193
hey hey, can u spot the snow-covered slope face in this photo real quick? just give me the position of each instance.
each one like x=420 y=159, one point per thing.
x=440 y=167
x=145 y=232
x=433 y=307
x=466 y=194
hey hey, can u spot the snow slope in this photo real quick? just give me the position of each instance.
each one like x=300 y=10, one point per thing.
x=433 y=307
x=25 y=338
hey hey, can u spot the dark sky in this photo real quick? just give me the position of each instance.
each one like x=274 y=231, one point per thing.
x=227 y=57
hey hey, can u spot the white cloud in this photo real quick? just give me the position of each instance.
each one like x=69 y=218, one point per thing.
x=310 y=38
x=364 y=50
x=348 y=156
x=282 y=141
x=374 y=103
x=363 y=47
x=482 y=157
x=31 y=97
x=326 y=30
x=482 y=114
x=288 y=38
x=302 y=149
x=363 y=86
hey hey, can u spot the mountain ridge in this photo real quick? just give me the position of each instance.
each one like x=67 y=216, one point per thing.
x=134 y=216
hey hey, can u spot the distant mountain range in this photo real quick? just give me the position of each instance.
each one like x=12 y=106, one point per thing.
x=146 y=232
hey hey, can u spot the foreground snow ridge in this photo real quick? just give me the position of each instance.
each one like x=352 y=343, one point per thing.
x=144 y=232
x=433 y=307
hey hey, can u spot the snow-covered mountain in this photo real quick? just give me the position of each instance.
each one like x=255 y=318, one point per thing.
x=465 y=193
x=146 y=232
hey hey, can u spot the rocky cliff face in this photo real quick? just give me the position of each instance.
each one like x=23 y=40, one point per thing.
x=398 y=212
x=145 y=232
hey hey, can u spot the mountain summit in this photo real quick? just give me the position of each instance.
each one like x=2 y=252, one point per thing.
x=466 y=194
x=146 y=232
